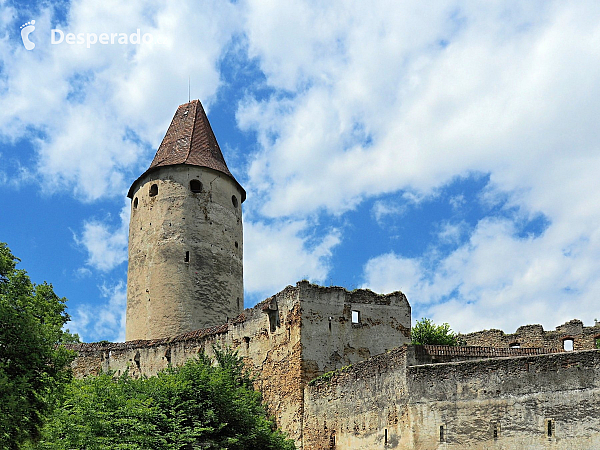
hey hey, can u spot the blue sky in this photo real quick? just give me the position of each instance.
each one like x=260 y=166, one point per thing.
x=450 y=150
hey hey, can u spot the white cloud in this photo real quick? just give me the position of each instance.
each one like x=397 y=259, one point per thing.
x=106 y=249
x=280 y=253
x=390 y=110
x=451 y=232
x=497 y=279
x=369 y=98
x=96 y=113
x=105 y=320
x=382 y=209
x=390 y=97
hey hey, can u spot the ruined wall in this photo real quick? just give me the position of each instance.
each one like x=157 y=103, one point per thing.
x=584 y=338
x=536 y=402
x=431 y=354
x=541 y=402
x=286 y=340
x=331 y=339
x=266 y=336
x=363 y=406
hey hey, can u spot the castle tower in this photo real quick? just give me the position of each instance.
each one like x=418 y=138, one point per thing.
x=185 y=235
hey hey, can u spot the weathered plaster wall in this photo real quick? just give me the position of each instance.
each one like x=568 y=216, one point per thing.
x=329 y=338
x=354 y=407
x=584 y=338
x=274 y=354
x=285 y=340
x=185 y=253
x=515 y=396
x=503 y=403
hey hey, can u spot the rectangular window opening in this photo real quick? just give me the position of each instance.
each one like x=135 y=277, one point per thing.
x=442 y=433
x=355 y=316
x=187 y=257
x=549 y=428
x=386 y=437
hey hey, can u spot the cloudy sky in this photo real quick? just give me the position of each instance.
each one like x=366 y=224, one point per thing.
x=447 y=149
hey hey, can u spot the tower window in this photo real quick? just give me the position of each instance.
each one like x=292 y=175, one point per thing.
x=195 y=186
x=187 y=257
x=549 y=427
x=135 y=203
x=153 y=190
x=568 y=345
x=234 y=200
x=236 y=244
x=442 y=433
x=495 y=430
x=355 y=316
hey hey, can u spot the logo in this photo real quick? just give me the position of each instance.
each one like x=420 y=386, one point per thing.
x=26 y=30
x=88 y=39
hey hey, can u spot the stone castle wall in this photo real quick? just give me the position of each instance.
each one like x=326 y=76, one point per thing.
x=272 y=353
x=583 y=338
x=286 y=341
x=543 y=402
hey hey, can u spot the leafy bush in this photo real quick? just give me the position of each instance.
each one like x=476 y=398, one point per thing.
x=426 y=332
x=195 y=406
x=33 y=367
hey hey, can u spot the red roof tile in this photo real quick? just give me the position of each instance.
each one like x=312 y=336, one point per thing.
x=190 y=140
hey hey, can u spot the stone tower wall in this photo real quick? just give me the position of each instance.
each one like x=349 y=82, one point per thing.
x=185 y=252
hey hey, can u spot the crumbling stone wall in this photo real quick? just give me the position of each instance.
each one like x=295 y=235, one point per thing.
x=286 y=340
x=362 y=406
x=546 y=401
x=431 y=354
x=583 y=338
x=341 y=327
x=272 y=353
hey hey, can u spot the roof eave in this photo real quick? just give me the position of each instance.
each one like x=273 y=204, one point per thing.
x=155 y=168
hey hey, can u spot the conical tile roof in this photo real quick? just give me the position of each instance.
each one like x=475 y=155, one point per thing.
x=190 y=140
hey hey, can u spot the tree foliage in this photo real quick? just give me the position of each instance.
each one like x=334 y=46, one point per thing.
x=33 y=367
x=426 y=332
x=198 y=405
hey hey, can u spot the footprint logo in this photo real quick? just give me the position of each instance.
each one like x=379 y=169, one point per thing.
x=26 y=29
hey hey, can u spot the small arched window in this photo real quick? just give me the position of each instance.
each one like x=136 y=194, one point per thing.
x=135 y=203
x=153 y=190
x=568 y=344
x=195 y=186
x=234 y=200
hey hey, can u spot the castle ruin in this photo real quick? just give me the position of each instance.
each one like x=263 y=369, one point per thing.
x=335 y=367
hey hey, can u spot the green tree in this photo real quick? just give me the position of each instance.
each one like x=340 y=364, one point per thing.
x=33 y=368
x=196 y=406
x=427 y=332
